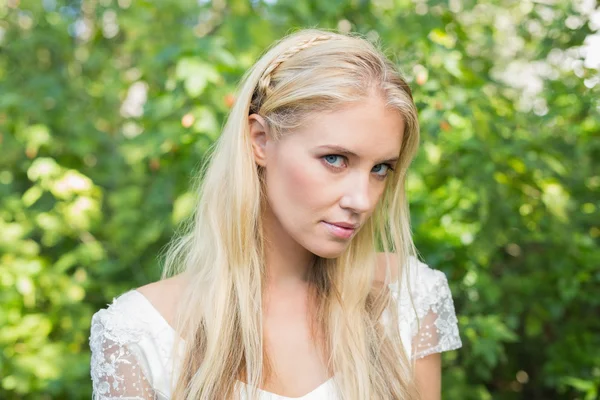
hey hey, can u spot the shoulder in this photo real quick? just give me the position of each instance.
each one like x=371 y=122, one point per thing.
x=164 y=296
x=120 y=321
x=419 y=285
x=116 y=326
x=428 y=318
x=414 y=273
x=133 y=314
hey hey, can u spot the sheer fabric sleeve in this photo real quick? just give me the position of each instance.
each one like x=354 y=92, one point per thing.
x=435 y=329
x=119 y=369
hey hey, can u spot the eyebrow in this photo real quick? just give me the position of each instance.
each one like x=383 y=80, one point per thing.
x=344 y=151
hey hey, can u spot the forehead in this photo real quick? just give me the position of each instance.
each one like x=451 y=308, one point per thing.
x=369 y=129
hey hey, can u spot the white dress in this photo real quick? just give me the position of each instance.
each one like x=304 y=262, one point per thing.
x=131 y=343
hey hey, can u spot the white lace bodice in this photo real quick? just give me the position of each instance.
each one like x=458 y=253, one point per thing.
x=132 y=344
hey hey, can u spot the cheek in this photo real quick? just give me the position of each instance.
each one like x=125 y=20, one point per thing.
x=379 y=191
x=299 y=182
x=296 y=186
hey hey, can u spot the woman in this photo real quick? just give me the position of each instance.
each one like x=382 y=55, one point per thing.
x=297 y=277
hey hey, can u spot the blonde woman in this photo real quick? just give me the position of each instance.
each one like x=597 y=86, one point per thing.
x=297 y=277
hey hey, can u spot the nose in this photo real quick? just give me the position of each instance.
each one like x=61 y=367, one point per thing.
x=356 y=197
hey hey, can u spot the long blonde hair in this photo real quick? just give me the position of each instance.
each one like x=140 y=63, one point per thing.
x=221 y=251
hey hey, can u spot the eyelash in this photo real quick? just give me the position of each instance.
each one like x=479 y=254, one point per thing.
x=390 y=168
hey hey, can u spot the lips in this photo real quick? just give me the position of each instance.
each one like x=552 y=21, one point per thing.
x=344 y=225
x=341 y=230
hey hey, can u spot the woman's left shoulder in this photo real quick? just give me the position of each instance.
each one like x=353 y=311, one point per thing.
x=416 y=273
x=421 y=275
x=419 y=284
x=427 y=307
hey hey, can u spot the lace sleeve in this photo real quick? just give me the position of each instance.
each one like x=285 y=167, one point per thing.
x=436 y=329
x=118 y=366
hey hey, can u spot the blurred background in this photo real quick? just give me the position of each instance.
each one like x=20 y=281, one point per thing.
x=107 y=108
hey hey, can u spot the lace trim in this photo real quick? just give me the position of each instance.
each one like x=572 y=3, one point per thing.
x=117 y=369
x=431 y=314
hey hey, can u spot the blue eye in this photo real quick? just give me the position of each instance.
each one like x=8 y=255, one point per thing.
x=334 y=160
x=382 y=170
x=338 y=162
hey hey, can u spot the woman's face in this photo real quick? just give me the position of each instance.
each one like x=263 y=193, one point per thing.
x=324 y=180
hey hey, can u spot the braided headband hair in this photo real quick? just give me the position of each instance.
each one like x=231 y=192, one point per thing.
x=262 y=87
x=263 y=83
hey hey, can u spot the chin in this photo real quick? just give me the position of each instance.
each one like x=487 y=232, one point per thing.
x=330 y=250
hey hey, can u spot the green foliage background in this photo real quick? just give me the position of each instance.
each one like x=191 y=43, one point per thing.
x=107 y=107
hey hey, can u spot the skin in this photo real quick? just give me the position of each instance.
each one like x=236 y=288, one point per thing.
x=310 y=182
x=332 y=169
x=428 y=372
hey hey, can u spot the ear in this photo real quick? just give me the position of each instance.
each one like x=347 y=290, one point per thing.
x=259 y=136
